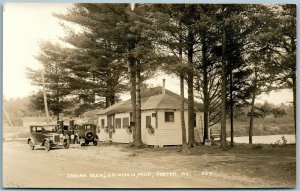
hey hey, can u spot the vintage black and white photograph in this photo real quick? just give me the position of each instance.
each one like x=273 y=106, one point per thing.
x=100 y=95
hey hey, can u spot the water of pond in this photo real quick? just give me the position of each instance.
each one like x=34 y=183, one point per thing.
x=265 y=139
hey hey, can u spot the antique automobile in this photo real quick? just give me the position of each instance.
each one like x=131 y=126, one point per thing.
x=46 y=136
x=67 y=130
x=86 y=133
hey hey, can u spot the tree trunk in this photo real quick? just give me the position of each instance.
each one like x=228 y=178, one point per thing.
x=132 y=71
x=191 y=141
x=107 y=102
x=252 y=116
x=191 y=110
x=223 y=93
x=57 y=93
x=183 y=129
x=205 y=89
x=231 y=109
x=45 y=98
x=57 y=103
x=138 y=141
x=294 y=81
x=112 y=99
x=294 y=101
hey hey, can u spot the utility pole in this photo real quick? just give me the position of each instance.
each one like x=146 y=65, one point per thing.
x=7 y=116
x=132 y=5
x=45 y=98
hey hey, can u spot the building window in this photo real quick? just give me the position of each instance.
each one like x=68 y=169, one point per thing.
x=102 y=123
x=39 y=129
x=118 y=123
x=125 y=122
x=148 y=121
x=169 y=117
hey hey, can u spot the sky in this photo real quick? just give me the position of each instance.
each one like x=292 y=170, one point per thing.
x=26 y=24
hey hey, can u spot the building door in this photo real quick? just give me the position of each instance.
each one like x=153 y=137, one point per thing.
x=102 y=123
x=110 y=124
x=148 y=121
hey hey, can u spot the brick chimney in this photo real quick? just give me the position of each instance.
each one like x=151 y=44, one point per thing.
x=164 y=88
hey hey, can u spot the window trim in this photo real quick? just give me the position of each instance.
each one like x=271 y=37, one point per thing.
x=169 y=112
x=127 y=125
x=120 y=123
x=148 y=116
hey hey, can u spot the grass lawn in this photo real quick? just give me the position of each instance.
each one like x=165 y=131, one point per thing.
x=262 y=126
x=264 y=165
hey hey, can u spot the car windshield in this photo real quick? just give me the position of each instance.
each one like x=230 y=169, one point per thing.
x=89 y=127
x=49 y=128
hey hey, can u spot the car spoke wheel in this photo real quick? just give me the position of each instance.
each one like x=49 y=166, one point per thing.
x=66 y=144
x=31 y=145
x=47 y=146
x=95 y=143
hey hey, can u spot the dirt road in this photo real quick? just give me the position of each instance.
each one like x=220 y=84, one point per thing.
x=111 y=166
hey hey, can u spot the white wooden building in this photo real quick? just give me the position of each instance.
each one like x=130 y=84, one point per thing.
x=161 y=111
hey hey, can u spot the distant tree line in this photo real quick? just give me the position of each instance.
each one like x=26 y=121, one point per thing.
x=227 y=55
x=19 y=108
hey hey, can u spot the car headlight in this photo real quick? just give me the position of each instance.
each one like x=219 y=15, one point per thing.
x=72 y=136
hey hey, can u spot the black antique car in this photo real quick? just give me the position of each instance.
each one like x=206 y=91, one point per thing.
x=86 y=133
x=46 y=136
x=67 y=130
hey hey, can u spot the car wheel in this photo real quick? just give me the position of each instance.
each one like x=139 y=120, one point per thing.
x=31 y=145
x=47 y=146
x=66 y=144
x=95 y=143
x=86 y=142
x=89 y=136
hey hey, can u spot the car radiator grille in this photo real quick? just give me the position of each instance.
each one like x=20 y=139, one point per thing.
x=56 y=138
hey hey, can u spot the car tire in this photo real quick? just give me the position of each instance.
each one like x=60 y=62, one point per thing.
x=47 y=146
x=89 y=136
x=95 y=143
x=30 y=143
x=86 y=142
x=66 y=144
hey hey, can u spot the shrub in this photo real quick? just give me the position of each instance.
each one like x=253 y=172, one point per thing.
x=257 y=147
x=284 y=140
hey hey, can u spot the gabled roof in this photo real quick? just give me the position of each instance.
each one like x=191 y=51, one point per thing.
x=163 y=101
x=111 y=108
x=169 y=100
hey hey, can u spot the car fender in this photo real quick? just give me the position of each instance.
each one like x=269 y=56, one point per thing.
x=77 y=136
x=66 y=137
x=29 y=139
x=46 y=139
x=32 y=139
